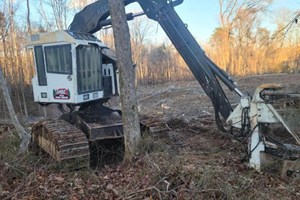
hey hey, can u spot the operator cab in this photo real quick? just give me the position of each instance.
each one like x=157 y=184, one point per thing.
x=72 y=68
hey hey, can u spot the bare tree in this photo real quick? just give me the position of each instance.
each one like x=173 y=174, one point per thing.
x=4 y=26
x=131 y=125
x=140 y=29
x=41 y=11
x=59 y=10
x=235 y=38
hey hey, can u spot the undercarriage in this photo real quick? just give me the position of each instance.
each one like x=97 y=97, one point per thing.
x=68 y=138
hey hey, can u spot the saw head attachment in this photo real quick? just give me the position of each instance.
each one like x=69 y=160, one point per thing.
x=281 y=134
x=285 y=103
x=269 y=121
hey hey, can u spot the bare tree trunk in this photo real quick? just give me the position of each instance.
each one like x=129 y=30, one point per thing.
x=28 y=17
x=23 y=94
x=19 y=99
x=131 y=125
x=24 y=136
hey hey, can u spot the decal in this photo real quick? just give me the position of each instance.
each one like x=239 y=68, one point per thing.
x=61 y=93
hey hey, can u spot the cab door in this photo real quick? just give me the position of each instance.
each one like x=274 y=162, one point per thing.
x=58 y=60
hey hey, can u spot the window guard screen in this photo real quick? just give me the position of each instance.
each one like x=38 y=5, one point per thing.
x=89 y=64
x=59 y=59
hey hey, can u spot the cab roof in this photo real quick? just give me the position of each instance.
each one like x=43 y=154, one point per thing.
x=61 y=36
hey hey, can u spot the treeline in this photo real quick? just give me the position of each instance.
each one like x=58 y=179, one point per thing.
x=241 y=45
x=155 y=63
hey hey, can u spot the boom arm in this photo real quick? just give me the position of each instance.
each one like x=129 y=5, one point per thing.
x=91 y=19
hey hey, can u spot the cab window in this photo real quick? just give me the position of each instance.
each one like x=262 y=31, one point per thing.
x=89 y=64
x=58 y=59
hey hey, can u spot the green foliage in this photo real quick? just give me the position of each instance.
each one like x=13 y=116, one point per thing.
x=149 y=144
x=9 y=146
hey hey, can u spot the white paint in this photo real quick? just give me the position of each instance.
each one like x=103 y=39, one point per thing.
x=256 y=146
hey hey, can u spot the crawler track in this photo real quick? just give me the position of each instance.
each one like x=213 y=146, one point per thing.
x=67 y=144
x=153 y=125
x=63 y=142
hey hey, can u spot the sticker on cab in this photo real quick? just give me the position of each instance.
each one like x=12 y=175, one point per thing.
x=61 y=93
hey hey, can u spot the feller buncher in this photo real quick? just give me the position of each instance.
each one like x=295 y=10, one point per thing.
x=75 y=69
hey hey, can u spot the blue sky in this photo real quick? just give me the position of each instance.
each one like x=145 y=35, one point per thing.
x=201 y=16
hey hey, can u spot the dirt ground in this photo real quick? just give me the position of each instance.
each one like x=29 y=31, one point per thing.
x=189 y=159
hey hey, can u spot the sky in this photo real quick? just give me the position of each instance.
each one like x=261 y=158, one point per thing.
x=201 y=16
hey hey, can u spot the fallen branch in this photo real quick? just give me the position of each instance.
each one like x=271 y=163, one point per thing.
x=14 y=168
x=151 y=162
x=213 y=190
x=131 y=195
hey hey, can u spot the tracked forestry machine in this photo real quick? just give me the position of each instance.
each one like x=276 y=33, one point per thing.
x=76 y=70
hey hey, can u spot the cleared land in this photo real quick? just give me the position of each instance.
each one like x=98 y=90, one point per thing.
x=189 y=159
